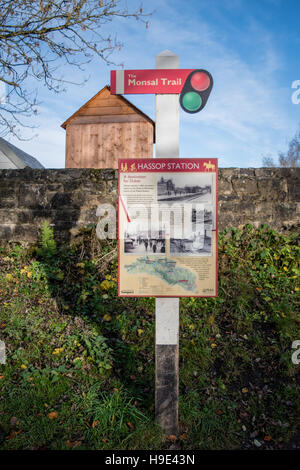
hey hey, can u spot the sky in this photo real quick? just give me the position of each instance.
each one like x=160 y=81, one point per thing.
x=252 y=50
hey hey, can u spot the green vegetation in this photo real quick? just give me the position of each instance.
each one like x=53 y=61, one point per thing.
x=80 y=360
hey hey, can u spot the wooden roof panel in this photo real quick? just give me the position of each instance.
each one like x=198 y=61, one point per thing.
x=103 y=103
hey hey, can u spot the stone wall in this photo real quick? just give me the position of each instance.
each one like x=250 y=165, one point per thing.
x=260 y=196
x=69 y=198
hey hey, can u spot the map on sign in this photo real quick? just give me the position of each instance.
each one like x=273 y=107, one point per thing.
x=166 y=270
x=168 y=227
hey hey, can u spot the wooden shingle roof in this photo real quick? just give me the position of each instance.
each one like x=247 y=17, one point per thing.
x=104 y=104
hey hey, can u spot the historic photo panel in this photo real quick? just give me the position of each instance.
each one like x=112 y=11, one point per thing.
x=195 y=193
x=144 y=242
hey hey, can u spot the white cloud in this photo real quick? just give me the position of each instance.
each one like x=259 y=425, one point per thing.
x=248 y=113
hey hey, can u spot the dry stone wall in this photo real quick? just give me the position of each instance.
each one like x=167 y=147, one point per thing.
x=68 y=198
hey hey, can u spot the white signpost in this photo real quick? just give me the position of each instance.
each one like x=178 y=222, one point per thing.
x=192 y=96
x=167 y=309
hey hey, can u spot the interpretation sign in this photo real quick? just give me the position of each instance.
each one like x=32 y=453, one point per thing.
x=147 y=81
x=193 y=85
x=168 y=227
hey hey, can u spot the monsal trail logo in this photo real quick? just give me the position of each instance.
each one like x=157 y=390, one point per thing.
x=148 y=81
x=193 y=85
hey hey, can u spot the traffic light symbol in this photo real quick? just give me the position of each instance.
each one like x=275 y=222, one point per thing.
x=195 y=91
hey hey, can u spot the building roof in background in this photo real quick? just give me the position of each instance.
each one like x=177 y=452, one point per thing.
x=104 y=91
x=17 y=157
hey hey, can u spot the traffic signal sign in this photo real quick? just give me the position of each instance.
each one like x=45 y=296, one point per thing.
x=195 y=91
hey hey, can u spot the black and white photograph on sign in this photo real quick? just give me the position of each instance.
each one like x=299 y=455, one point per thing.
x=197 y=244
x=185 y=187
x=144 y=242
x=206 y=215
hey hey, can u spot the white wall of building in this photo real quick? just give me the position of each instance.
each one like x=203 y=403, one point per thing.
x=5 y=163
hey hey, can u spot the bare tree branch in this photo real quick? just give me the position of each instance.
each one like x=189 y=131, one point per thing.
x=292 y=157
x=268 y=161
x=37 y=37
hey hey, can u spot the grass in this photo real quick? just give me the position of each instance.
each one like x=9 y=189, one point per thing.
x=80 y=360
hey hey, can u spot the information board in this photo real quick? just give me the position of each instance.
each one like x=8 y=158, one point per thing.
x=168 y=227
x=147 y=81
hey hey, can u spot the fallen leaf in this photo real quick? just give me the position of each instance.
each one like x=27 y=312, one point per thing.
x=57 y=351
x=13 y=434
x=13 y=421
x=73 y=444
x=245 y=390
x=94 y=424
x=52 y=415
x=130 y=426
x=183 y=436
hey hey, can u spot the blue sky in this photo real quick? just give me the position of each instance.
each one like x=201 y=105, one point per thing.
x=251 y=48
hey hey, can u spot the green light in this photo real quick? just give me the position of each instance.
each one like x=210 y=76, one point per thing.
x=191 y=101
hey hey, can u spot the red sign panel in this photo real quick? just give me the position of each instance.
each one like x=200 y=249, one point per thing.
x=148 y=81
x=171 y=165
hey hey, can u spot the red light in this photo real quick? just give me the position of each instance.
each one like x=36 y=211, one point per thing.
x=200 y=81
